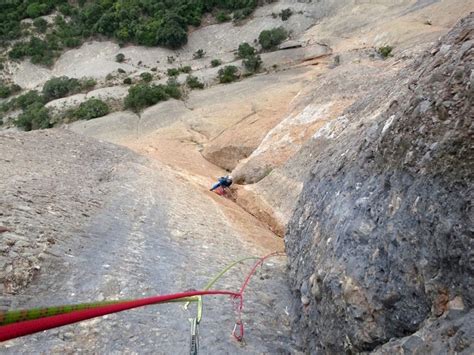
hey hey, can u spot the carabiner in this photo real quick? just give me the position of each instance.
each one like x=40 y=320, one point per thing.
x=239 y=326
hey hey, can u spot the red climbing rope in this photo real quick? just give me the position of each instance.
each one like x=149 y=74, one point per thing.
x=238 y=331
x=16 y=330
x=26 y=327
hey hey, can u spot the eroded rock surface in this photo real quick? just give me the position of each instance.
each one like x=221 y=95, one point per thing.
x=47 y=196
x=380 y=242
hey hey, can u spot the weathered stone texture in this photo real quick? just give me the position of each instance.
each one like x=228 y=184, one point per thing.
x=380 y=243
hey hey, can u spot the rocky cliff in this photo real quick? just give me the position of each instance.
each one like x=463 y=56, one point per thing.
x=380 y=243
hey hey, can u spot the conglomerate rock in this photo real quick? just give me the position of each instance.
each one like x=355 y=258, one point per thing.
x=379 y=245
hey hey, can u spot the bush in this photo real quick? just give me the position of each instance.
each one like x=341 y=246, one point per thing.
x=173 y=72
x=36 y=9
x=252 y=64
x=146 y=77
x=245 y=50
x=41 y=25
x=8 y=90
x=285 y=14
x=36 y=116
x=172 y=33
x=228 y=74
x=127 y=81
x=91 y=108
x=120 y=58
x=385 y=51
x=215 y=63
x=186 y=69
x=200 y=53
x=40 y=52
x=143 y=22
x=222 y=16
x=242 y=13
x=269 y=39
x=194 y=83
x=172 y=90
x=28 y=99
x=144 y=95
x=56 y=88
x=88 y=84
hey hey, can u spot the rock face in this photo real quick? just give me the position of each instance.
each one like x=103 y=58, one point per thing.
x=51 y=183
x=379 y=245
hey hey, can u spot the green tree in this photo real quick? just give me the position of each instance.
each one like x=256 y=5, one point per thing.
x=215 y=63
x=92 y=108
x=120 y=58
x=385 y=51
x=28 y=99
x=36 y=9
x=285 y=14
x=269 y=39
x=252 y=63
x=56 y=88
x=222 y=16
x=41 y=24
x=228 y=74
x=172 y=33
x=245 y=50
x=144 y=95
x=146 y=77
x=200 y=53
x=36 y=116
x=194 y=83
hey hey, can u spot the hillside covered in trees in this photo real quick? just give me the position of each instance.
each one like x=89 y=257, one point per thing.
x=145 y=22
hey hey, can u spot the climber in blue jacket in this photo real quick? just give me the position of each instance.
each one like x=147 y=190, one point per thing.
x=224 y=181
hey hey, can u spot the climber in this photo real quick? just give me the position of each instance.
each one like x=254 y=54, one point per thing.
x=223 y=182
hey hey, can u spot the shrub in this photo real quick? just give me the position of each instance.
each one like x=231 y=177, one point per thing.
x=121 y=71
x=41 y=52
x=200 y=53
x=215 y=63
x=186 y=69
x=144 y=95
x=36 y=116
x=172 y=90
x=228 y=74
x=28 y=99
x=127 y=81
x=173 y=72
x=36 y=9
x=242 y=13
x=252 y=63
x=245 y=50
x=120 y=58
x=172 y=33
x=41 y=24
x=269 y=39
x=56 y=88
x=285 y=14
x=8 y=90
x=385 y=51
x=194 y=83
x=222 y=16
x=91 y=108
x=146 y=77
x=65 y=9
x=88 y=83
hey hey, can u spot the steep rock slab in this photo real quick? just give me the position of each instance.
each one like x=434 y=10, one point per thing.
x=51 y=183
x=379 y=243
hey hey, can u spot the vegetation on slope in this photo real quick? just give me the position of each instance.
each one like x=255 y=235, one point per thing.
x=150 y=23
